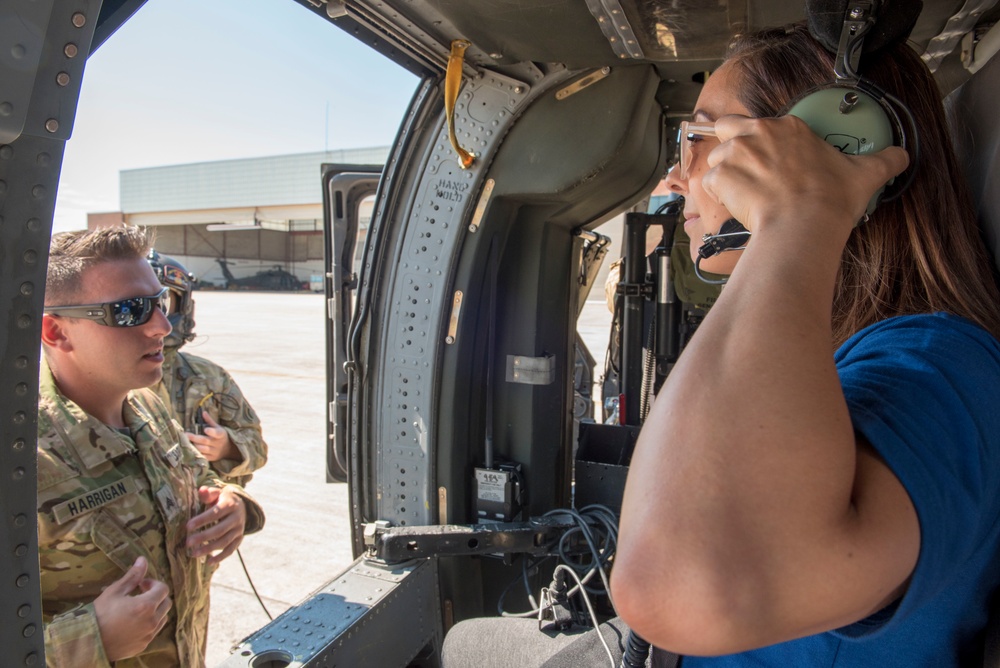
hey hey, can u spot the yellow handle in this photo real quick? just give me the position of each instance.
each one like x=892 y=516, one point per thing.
x=205 y=398
x=452 y=83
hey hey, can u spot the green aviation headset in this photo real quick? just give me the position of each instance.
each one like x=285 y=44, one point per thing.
x=851 y=113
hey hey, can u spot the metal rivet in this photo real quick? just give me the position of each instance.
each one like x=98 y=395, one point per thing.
x=18 y=473
x=52 y=125
x=20 y=550
x=28 y=631
x=79 y=20
x=6 y=152
x=21 y=389
x=20 y=417
x=21 y=362
x=24 y=321
x=22 y=580
x=31 y=659
x=20 y=520
x=18 y=51
x=27 y=288
x=33 y=224
x=857 y=13
x=38 y=191
x=70 y=50
x=62 y=78
x=43 y=159
x=24 y=611
x=18 y=445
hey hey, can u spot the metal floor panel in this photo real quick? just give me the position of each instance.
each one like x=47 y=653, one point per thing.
x=370 y=615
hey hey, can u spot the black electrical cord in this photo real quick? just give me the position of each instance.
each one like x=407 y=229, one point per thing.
x=526 y=565
x=247 y=573
x=599 y=527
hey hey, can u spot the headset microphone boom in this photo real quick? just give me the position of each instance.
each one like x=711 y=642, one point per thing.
x=851 y=112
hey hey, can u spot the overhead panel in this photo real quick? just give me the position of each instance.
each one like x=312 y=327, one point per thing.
x=684 y=29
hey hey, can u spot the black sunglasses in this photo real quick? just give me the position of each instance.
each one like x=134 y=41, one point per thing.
x=130 y=312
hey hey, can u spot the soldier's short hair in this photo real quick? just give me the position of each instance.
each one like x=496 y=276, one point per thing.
x=72 y=252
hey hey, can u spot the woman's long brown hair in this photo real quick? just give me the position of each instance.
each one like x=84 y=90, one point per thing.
x=920 y=253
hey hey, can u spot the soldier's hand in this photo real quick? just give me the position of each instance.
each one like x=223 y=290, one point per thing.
x=215 y=443
x=219 y=530
x=129 y=621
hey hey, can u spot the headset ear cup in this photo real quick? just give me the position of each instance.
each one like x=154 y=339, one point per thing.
x=852 y=120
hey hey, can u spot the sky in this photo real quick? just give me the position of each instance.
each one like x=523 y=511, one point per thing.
x=187 y=81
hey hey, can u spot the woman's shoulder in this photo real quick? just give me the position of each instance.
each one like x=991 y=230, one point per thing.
x=940 y=339
x=924 y=327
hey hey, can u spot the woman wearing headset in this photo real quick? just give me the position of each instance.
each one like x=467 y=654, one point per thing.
x=818 y=482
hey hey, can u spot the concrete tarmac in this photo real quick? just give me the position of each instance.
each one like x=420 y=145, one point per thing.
x=273 y=345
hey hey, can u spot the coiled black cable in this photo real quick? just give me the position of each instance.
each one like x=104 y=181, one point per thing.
x=636 y=651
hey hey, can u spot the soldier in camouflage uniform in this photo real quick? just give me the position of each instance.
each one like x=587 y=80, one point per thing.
x=218 y=419
x=131 y=520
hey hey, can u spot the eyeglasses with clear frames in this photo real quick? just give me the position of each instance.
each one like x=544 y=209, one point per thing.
x=689 y=134
x=130 y=312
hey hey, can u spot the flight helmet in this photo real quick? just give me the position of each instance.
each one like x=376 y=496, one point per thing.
x=180 y=282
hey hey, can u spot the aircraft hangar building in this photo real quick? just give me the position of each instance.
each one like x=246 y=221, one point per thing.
x=254 y=214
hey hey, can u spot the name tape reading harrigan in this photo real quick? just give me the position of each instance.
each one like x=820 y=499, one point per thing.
x=93 y=500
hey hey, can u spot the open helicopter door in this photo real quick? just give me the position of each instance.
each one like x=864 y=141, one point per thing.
x=46 y=45
x=345 y=187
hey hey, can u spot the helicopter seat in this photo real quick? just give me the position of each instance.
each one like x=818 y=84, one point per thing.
x=972 y=113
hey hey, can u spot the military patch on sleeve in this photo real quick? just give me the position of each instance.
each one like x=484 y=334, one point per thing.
x=173 y=455
x=168 y=502
x=92 y=500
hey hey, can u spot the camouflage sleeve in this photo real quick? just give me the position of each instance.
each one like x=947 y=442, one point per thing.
x=611 y=284
x=243 y=426
x=255 y=514
x=73 y=639
x=208 y=477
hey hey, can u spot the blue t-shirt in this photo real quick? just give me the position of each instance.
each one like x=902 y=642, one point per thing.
x=924 y=391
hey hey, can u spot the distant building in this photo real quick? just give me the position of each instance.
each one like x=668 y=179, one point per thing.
x=255 y=214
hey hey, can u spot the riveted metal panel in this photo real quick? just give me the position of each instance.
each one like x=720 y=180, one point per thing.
x=420 y=297
x=370 y=615
x=22 y=33
x=30 y=160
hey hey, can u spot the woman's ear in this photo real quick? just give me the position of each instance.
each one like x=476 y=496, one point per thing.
x=54 y=333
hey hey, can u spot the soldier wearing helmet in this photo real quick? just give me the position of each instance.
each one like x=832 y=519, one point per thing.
x=218 y=419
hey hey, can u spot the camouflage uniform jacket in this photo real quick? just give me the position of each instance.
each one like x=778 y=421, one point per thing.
x=190 y=382
x=106 y=498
